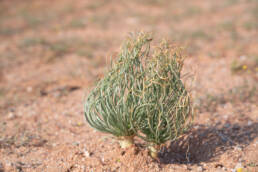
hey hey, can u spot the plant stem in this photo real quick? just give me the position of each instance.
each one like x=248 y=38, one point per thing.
x=154 y=150
x=126 y=141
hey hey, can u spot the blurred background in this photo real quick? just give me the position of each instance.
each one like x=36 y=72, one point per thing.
x=53 y=52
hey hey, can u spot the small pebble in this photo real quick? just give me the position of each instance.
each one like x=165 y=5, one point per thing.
x=103 y=160
x=238 y=148
x=11 y=115
x=224 y=168
x=196 y=127
x=75 y=143
x=199 y=169
x=249 y=123
x=243 y=57
x=86 y=153
x=29 y=89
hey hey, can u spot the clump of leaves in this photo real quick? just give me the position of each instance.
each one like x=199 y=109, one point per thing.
x=142 y=95
x=165 y=104
x=109 y=106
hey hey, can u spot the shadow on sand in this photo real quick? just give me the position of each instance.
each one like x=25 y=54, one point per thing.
x=204 y=143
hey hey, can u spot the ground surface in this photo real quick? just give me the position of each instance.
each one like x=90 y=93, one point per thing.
x=53 y=52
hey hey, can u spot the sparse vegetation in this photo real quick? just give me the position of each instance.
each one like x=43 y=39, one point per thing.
x=2 y=93
x=96 y=4
x=192 y=11
x=239 y=94
x=61 y=47
x=245 y=65
x=236 y=66
x=200 y=34
x=250 y=25
x=32 y=41
x=77 y=23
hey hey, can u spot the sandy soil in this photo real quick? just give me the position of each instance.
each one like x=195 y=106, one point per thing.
x=53 y=52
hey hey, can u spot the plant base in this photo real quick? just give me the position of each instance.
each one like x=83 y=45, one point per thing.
x=154 y=150
x=126 y=141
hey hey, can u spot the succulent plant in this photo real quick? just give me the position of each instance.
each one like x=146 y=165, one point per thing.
x=142 y=94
